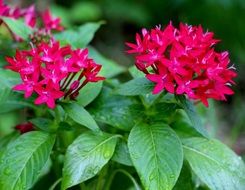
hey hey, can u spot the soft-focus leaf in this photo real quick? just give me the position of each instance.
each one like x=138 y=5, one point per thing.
x=157 y=155
x=190 y=110
x=121 y=154
x=89 y=93
x=86 y=156
x=118 y=111
x=18 y=27
x=87 y=31
x=215 y=164
x=63 y=13
x=109 y=67
x=137 y=86
x=23 y=160
x=85 y=11
x=81 y=116
x=79 y=38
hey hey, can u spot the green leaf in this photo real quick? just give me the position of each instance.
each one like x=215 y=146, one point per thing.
x=6 y=140
x=18 y=27
x=83 y=11
x=162 y=112
x=126 y=174
x=23 y=160
x=8 y=78
x=182 y=125
x=215 y=164
x=185 y=179
x=149 y=98
x=118 y=111
x=157 y=155
x=79 y=38
x=121 y=154
x=137 y=86
x=42 y=123
x=136 y=73
x=87 y=31
x=81 y=116
x=11 y=105
x=89 y=93
x=5 y=92
x=10 y=100
x=86 y=156
x=189 y=108
x=109 y=67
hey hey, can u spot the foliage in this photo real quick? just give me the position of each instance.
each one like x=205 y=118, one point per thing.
x=113 y=133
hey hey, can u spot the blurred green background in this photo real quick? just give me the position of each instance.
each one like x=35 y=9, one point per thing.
x=226 y=18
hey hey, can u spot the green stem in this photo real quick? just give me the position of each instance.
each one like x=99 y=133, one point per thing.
x=137 y=187
x=55 y=184
x=102 y=175
x=57 y=115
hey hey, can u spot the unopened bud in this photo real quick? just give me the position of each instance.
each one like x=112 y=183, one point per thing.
x=74 y=85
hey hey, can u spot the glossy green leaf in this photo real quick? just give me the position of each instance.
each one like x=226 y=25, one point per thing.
x=109 y=67
x=118 y=111
x=89 y=93
x=157 y=155
x=190 y=110
x=185 y=179
x=137 y=86
x=79 y=38
x=4 y=141
x=81 y=116
x=135 y=73
x=23 y=160
x=18 y=27
x=86 y=156
x=162 y=112
x=149 y=98
x=182 y=125
x=215 y=164
x=121 y=154
x=42 y=123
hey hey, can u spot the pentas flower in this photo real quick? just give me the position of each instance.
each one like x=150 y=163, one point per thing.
x=51 y=23
x=183 y=61
x=52 y=72
x=30 y=16
x=29 y=13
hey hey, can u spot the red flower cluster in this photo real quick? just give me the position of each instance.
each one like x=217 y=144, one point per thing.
x=53 y=72
x=25 y=127
x=30 y=16
x=183 y=61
